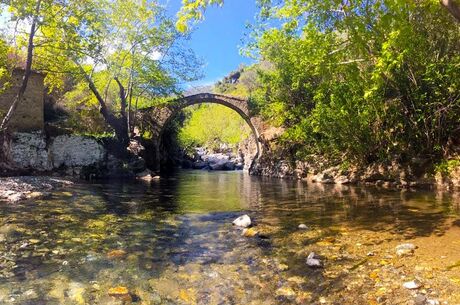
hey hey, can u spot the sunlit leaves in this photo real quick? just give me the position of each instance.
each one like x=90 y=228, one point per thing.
x=193 y=10
x=211 y=125
x=354 y=78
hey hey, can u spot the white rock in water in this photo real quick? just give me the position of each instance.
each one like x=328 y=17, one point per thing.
x=312 y=261
x=242 y=221
x=405 y=249
x=303 y=226
x=415 y=284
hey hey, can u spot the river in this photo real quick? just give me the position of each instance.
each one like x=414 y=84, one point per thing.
x=172 y=241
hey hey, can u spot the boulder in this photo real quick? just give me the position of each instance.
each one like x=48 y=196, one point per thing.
x=229 y=165
x=199 y=165
x=219 y=165
x=239 y=166
x=243 y=221
x=313 y=261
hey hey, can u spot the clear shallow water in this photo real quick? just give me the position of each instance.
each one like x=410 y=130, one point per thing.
x=172 y=242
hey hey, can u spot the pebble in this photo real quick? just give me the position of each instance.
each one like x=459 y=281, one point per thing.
x=303 y=226
x=249 y=232
x=242 y=221
x=285 y=292
x=420 y=299
x=415 y=284
x=283 y=267
x=405 y=249
x=119 y=292
x=312 y=261
x=116 y=254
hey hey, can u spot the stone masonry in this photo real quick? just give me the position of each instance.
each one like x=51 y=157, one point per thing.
x=29 y=115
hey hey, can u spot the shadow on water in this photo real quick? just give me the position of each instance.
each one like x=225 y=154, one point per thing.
x=185 y=219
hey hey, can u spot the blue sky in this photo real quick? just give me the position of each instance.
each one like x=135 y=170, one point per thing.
x=216 y=39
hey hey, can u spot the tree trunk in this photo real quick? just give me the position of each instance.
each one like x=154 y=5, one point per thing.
x=452 y=7
x=119 y=125
x=124 y=118
x=27 y=72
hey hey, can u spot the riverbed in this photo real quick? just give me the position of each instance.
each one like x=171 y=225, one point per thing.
x=171 y=241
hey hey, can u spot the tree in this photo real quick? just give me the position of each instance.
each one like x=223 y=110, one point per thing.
x=28 y=65
x=123 y=50
x=453 y=7
x=194 y=10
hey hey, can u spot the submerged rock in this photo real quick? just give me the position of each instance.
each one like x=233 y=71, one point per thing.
x=282 y=267
x=415 y=284
x=405 y=249
x=116 y=254
x=250 y=232
x=312 y=261
x=76 y=293
x=145 y=175
x=120 y=292
x=286 y=292
x=303 y=226
x=242 y=221
x=420 y=299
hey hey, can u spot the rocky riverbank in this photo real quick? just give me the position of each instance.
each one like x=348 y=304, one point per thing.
x=69 y=155
x=416 y=174
x=208 y=160
x=15 y=189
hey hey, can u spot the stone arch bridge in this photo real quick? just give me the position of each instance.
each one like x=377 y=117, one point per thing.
x=156 y=118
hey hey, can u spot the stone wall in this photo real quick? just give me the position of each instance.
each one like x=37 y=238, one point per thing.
x=68 y=155
x=29 y=115
x=34 y=152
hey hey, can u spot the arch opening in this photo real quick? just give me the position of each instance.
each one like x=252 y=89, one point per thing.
x=165 y=115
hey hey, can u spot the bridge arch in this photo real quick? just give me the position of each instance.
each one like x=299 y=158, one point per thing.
x=158 y=117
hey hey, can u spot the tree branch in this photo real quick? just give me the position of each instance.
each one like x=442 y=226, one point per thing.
x=27 y=71
x=452 y=7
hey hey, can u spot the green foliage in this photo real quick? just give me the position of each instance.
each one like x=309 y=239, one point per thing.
x=5 y=66
x=363 y=81
x=209 y=125
x=83 y=109
x=128 y=51
x=446 y=167
x=240 y=83
x=4 y=62
x=193 y=10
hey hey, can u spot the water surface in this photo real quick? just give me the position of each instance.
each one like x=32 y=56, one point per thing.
x=172 y=242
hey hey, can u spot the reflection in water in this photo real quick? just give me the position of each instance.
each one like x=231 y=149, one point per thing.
x=172 y=242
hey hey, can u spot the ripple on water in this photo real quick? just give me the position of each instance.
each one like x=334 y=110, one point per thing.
x=173 y=242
